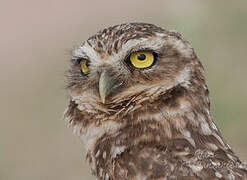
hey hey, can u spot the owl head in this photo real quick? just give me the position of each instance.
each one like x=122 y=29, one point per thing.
x=128 y=63
x=138 y=84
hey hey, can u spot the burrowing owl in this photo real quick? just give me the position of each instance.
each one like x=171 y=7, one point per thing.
x=139 y=102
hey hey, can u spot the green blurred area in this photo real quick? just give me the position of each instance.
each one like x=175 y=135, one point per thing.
x=36 y=40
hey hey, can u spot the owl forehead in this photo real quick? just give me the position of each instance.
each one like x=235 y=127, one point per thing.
x=119 y=40
x=112 y=39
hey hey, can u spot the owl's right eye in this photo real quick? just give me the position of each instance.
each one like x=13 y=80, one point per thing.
x=84 y=65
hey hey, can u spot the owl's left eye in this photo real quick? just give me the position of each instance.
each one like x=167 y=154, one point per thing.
x=84 y=64
x=142 y=59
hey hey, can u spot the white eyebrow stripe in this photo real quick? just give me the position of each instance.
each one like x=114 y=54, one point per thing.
x=86 y=51
x=143 y=43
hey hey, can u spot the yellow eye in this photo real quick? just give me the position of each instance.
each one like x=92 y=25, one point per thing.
x=142 y=59
x=84 y=67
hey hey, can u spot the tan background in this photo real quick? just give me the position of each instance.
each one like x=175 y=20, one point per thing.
x=36 y=38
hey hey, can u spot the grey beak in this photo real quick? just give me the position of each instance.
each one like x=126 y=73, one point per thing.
x=106 y=84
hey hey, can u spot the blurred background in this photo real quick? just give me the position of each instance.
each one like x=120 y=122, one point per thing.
x=36 y=38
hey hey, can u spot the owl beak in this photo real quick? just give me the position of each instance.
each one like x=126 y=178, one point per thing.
x=106 y=84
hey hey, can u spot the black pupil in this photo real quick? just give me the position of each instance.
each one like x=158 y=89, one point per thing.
x=141 y=57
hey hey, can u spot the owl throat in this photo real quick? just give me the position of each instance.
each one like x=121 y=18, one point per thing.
x=176 y=122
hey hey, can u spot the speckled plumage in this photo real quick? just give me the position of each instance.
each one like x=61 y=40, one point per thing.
x=156 y=124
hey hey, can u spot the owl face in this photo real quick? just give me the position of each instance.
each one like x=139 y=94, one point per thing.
x=121 y=62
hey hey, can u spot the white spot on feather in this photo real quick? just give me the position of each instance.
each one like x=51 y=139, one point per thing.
x=187 y=136
x=214 y=126
x=91 y=134
x=104 y=154
x=107 y=177
x=205 y=129
x=217 y=174
x=196 y=168
x=186 y=133
x=97 y=154
x=184 y=77
x=117 y=150
x=231 y=176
